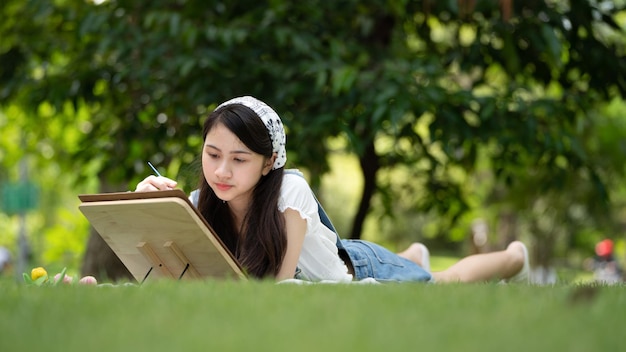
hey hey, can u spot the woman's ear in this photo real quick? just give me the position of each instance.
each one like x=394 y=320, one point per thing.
x=269 y=164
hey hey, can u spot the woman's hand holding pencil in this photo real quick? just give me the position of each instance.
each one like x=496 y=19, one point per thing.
x=155 y=183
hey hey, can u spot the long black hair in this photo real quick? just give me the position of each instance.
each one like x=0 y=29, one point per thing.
x=261 y=243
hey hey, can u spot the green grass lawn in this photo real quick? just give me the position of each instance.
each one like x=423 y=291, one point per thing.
x=263 y=316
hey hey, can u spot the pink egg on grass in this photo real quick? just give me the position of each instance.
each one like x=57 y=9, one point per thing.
x=88 y=280
x=66 y=279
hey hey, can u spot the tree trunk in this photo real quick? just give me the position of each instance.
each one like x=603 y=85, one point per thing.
x=100 y=260
x=370 y=164
x=507 y=229
x=542 y=253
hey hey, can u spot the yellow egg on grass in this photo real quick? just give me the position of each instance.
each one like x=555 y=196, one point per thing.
x=38 y=272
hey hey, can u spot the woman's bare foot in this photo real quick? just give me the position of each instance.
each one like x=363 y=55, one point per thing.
x=418 y=254
x=519 y=253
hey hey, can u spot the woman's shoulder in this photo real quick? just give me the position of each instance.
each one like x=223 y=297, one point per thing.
x=296 y=191
x=295 y=178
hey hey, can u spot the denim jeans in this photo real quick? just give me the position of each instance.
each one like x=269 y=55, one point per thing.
x=373 y=261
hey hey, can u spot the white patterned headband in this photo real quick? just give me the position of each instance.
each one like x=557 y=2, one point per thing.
x=272 y=122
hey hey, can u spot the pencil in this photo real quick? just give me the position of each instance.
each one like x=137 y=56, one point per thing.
x=153 y=168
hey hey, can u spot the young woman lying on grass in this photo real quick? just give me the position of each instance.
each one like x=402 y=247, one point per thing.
x=269 y=219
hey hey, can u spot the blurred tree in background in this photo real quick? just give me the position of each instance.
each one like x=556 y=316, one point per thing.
x=518 y=101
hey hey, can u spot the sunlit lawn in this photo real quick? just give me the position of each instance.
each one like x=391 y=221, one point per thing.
x=263 y=316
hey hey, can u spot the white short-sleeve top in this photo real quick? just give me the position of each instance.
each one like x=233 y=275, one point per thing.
x=319 y=259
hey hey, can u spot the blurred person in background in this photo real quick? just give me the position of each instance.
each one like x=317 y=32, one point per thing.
x=5 y=260
x=605 y=267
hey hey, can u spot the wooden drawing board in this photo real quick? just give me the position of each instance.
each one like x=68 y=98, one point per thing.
x=159 y=235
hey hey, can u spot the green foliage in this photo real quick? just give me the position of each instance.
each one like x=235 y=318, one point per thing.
x=55 y=230
x=448 y=88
